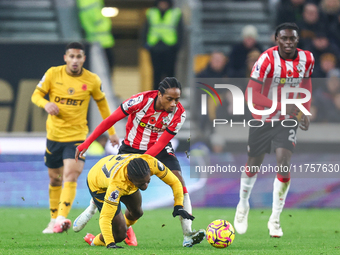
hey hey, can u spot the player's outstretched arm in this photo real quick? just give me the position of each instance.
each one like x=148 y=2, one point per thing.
x=117 y=115
x=178 y=210
x=160 y=144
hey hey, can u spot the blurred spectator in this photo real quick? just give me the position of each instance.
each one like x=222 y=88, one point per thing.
x=216 y=67
x=334 y=114
x=236 y=67
x=162 y=36
x=290 y=11
x=97 y=27
x=252 y=57
x=310 y=24
x=335 y=31
x=330 y=9
x=324 y=106
x=319 y=45
x=328 y=62
x=97 y=148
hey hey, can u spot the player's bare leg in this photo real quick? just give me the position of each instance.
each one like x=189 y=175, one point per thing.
x=280 y=191
x=133 y=212
x=56 y=180
x=248 y=179
x=190 y=237
x=72 y=170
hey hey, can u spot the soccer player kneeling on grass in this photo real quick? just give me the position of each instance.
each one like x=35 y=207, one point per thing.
x=119 y=178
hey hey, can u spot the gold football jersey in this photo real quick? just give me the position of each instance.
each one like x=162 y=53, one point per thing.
x=72 y=96
x=109 y=176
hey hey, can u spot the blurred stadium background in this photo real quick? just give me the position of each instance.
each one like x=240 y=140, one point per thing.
x=33 y=35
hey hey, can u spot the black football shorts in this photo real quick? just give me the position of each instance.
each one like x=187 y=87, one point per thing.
x=166 y=156
x=261 y=138
x=56 y=152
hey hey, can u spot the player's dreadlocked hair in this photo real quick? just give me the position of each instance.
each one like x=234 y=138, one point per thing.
x=286 y=25
x=138 y=168
x=168 y=83
x=75 y=45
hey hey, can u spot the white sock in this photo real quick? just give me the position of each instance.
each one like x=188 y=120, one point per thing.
x=92 y=208
x=246 y=185
x=186 y=224
x=280 y=191
x=60 y=218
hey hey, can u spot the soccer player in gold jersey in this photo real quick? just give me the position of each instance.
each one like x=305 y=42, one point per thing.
x=115 y=179
x=70 y=88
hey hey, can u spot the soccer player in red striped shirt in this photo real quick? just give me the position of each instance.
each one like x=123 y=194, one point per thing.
x=284 y=65
x=155 y=117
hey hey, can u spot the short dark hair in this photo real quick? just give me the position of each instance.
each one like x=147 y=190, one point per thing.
x=138 y=168
x=75 y=45
x=286 y=25
x=168 y=83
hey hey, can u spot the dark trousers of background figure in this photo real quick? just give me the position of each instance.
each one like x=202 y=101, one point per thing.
x=163 y=63
x=110 y=58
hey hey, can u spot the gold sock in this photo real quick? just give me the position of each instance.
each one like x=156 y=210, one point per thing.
x=97 y=241
x=129 y=222
x=54 y=195
x=66 y=198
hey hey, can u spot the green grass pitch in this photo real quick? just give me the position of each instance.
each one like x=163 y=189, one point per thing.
x=306 y=231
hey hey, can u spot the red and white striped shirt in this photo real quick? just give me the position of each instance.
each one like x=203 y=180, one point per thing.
x=145 y=124
x=273 y=71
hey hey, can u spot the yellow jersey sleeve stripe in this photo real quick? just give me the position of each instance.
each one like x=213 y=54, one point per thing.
x=100 y=99
x=111 y=203
x=41 y=90
x=162 y=176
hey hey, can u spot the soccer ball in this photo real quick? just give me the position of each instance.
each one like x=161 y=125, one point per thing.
x=220 y=233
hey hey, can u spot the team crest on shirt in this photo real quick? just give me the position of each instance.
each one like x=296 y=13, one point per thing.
x=114 y=195
x=165 y=120
x=299 y=68
x=70 y=91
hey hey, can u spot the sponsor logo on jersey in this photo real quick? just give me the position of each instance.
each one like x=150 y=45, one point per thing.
x=70 y=91
x=114 y=195
x=152 y=128
x=68 y=101
x=293 y=82
x=160 y=166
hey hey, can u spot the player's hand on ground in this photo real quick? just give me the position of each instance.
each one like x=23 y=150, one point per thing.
x=79 y=153
x=114 y=139
x=292 y=110
x=51 y=108
x=113 y=246
x=178 y=210
x=304 y=122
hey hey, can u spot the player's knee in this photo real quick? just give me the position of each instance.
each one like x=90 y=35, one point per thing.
x=284 y=160
x=56 y=181
x=137 y=214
